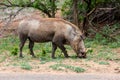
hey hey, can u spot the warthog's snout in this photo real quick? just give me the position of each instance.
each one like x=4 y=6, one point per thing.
x=82 y=55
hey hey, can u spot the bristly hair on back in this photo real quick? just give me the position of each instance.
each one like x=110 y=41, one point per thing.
x=77 y=30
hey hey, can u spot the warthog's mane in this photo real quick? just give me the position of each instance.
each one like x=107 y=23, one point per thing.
x=76 y=29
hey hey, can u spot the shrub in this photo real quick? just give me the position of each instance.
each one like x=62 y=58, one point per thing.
x=14 y=51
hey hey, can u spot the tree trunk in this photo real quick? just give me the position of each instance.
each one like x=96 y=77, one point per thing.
x=75 y=12
x=85 y=22
x=53 y=7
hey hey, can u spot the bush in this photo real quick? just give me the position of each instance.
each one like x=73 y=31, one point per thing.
x=14 y=51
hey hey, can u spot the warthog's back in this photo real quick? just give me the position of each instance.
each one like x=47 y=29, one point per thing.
x=43 y=30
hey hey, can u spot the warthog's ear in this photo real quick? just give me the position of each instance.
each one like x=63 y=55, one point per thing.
x=82 y=36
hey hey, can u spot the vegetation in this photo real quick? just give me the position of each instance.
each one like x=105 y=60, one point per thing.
x=93 y=15
x=103 y=63
x=14 y=51
x=26 y=66
x=48 y=7
x=63 y=66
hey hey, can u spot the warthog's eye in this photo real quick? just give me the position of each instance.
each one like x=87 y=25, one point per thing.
x=82 y=37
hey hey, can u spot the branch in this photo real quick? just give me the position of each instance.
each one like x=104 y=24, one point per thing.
x=88 y=14
x=3 y=4
x=15 y=5
x=14 y=15
x=86 y=1
x=9 y=2
x=44 y=9
x=92 y=26
x=115 y=33
x=30 y=4
x=10 y=18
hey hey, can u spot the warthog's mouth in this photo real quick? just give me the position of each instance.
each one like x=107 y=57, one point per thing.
x=82 y=55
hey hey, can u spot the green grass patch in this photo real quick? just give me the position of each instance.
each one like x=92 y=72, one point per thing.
x=96 y=50
x=44 y=60
x=102 y=54
x=114 y=44
x=14 y=51
x=69 y=67
x=2 y=59
x=26 y=66
x=100 y=48
x=104 y=63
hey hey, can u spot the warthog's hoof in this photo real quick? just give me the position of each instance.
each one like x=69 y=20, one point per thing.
x=82 y=57
x=67 y=56
x=21 y=56
x=33 y=56
x=53 y=57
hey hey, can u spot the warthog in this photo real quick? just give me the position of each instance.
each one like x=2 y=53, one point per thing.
x=58 y=31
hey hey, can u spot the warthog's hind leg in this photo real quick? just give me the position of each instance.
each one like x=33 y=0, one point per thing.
x=54 y=47
x=22 y=42
x=31 y=45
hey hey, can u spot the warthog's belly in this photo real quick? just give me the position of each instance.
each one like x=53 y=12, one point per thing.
x=41 y=37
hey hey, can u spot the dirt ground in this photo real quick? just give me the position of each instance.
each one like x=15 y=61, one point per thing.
x=38 y=66
x=90 y=67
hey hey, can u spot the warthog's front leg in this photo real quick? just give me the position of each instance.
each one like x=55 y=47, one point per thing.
x=61 y=46
x=58 y=40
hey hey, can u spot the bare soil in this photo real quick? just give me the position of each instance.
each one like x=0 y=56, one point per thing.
x=12 y=64
x=90 y=67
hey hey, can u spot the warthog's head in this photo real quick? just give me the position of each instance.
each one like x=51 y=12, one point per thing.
x=78 y=46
